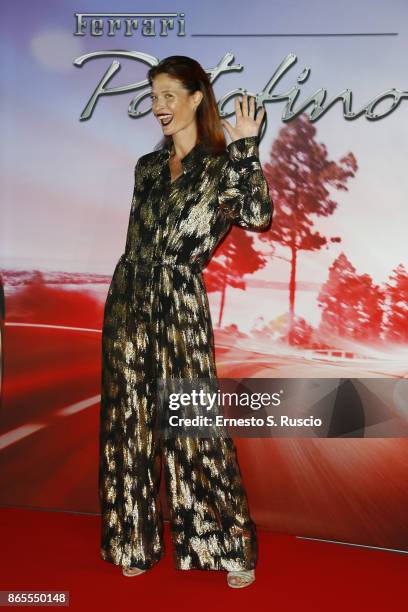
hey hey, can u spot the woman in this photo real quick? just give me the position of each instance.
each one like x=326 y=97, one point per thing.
x=157 y=325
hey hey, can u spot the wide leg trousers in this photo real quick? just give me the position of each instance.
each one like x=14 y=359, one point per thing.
x=210 y=523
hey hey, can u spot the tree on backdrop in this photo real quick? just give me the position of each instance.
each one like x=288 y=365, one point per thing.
x=396 y=310
x=299 y=176
x=352 y=305
x=233 y=258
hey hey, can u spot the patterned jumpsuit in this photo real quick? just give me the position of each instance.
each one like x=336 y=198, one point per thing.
x=157 y=325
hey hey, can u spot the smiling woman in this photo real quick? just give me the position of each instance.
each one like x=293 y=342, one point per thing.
x=157 y=325
x=175 y=108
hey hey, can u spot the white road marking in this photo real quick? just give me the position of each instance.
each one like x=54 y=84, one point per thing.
x=44 y=325
x=15 y=435
x=23 y=431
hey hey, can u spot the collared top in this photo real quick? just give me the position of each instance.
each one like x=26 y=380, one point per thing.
x=182 y=220
x=175 y=226
x=199 y=150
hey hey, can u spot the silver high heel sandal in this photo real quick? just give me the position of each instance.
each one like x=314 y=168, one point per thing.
x=132 y=571
x=240 y=578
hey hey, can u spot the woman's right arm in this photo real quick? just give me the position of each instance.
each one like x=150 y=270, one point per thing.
x=137 y=181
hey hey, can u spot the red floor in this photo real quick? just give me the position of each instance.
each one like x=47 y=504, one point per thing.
x=47 y=550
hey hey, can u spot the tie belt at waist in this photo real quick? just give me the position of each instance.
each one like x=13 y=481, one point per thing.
x=142 y=291
x=148 y=264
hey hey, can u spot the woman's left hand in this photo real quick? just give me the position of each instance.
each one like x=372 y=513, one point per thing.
x=246 y=125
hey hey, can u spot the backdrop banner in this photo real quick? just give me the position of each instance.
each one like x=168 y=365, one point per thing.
x=310 y=315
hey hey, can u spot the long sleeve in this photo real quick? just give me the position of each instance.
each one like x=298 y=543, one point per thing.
x=137 y=188
x=243 y=193
x=137 y=185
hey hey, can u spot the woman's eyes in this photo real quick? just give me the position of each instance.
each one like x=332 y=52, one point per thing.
x=167 y=96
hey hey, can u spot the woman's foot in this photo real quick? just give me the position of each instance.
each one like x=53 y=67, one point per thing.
x=240 y=578
x=132 y=571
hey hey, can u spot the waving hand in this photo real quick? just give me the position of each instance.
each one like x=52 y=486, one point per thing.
x=246 y=125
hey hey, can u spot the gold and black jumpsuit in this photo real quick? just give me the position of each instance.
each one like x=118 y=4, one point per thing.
x=157 y=324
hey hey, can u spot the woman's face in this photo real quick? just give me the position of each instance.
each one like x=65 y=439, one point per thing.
x=173 y=106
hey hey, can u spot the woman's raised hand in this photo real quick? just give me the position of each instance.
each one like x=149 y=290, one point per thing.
x=246 y=125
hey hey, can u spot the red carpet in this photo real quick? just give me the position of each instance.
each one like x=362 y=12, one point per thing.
x=47 y=550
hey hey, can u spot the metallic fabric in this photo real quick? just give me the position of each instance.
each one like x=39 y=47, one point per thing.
x=157 y=325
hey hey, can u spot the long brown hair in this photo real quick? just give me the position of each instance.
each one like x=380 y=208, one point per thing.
x=193 y=77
